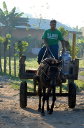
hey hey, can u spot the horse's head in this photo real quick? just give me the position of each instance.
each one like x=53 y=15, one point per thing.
x=51 y=71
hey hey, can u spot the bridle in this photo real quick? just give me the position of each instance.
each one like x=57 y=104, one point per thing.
x=46 y=67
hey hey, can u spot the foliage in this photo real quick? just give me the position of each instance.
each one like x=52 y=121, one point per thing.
x=21 y=46
x=8 y=36
x=12 y=18
x=63 y=31
x=80 y=84
x=32 y=64
x=1 y=39
x=80 y=47
x=7 y=41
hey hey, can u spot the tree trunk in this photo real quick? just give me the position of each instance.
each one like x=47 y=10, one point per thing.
x=0 y=59
x=14 y=62
x=9 y=61
x=5 y=58
x=5 y=49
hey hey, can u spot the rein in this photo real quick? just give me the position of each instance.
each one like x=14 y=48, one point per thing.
x=46 y=66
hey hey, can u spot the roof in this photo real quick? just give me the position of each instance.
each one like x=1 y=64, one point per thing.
x=36 y=23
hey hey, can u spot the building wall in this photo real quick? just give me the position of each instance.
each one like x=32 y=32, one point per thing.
x=22 y=33
x=82 y=30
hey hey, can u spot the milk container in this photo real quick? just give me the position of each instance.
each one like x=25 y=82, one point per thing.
x=66 y=58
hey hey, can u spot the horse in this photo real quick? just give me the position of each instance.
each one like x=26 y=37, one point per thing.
x=48 y=78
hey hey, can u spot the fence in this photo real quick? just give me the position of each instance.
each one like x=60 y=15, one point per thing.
x=9 y=61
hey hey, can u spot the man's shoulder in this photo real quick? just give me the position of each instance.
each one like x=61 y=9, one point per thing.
x=49 y=30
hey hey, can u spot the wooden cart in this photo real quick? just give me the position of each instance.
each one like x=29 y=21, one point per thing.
x=31 y=74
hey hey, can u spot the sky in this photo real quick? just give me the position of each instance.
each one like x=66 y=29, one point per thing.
x=69 y=12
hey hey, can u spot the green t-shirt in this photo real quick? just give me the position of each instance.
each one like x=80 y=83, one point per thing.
x=52 y=36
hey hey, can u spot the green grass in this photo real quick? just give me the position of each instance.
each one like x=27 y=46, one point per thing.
x=15 y=84
x=81 y=63
x=80 y=84
x=15 y=81
x=32 y=64
x=82 y=73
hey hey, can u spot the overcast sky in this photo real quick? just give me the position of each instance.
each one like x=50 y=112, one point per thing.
x=69 y=12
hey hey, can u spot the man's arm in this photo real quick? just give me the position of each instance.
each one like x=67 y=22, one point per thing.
x=44 y=37
x=63 y=45
x=45 y=42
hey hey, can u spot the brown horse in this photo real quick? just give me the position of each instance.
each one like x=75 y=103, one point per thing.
x=49 y=77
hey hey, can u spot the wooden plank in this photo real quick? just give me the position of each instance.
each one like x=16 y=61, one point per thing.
x=74 y=46
x=56 y=94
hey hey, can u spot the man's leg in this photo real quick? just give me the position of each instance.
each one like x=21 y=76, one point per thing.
x=41 y=53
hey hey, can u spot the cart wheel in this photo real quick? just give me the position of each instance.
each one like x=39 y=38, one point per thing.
x=35 y=82
x=23 y=94
x=72 y=95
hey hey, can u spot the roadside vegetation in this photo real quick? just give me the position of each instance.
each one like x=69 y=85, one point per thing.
x=32 y=64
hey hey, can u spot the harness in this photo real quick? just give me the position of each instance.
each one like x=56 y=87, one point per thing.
x=47 y=49
x=45 y=67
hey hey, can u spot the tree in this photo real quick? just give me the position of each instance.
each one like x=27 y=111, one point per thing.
x=1 y=41
x=6 y=42
x=65 y=34
x=20 y=47
x=11 y=19
x=80 y=47
x=63 y=31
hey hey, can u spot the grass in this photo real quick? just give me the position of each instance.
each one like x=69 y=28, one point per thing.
x=80 y=84
x=32 y=64
x=82 y=73
x=81 y=63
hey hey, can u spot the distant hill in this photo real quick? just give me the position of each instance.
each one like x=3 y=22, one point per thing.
x=44 y=24
x=36 y=23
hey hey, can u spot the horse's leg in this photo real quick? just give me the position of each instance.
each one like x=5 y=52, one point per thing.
x=53 y=100
x=44 y=96
x=40 y=95
x=48 y=93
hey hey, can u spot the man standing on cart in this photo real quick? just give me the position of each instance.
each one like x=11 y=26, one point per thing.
x=51 y=38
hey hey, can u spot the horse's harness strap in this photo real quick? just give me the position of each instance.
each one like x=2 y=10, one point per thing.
x=46 y=67
x=44 y=71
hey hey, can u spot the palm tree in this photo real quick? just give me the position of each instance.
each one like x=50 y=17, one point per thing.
x=11 y=19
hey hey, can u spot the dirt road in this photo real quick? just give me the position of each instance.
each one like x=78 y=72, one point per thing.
x=12 y=116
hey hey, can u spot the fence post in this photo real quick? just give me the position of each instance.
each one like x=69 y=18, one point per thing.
x=74 y=46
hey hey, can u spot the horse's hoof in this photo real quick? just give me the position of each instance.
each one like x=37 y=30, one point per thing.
x=48 y=109
x=39 y=109
x=50 y=112
x=43 y=113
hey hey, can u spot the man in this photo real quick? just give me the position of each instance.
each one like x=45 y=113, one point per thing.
x=51 y=38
